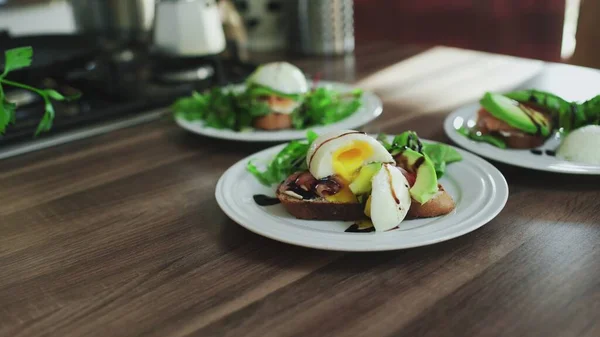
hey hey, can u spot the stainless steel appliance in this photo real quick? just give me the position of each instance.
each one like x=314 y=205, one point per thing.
x=188 y=28
x=124 y=74
x=322 y=27
x=115 y=19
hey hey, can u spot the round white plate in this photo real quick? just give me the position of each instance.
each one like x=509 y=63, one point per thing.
x=370 y=109
x=466 y=116
x=478 y=189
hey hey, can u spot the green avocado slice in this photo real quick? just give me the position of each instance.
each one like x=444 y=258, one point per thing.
x=426 y=184
x=362 y=183
x=255 y=90
x=515 y=114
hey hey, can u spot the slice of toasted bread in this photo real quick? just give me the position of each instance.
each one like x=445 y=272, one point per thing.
x=440 y=204
x=321 y=209
x=273 y=121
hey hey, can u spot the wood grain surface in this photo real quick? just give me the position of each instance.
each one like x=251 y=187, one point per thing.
x=120 y=235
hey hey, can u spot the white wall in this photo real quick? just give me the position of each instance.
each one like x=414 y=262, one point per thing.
x=53 y=17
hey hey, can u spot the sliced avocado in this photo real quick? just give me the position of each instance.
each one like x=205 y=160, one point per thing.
x=255 y=90
x=516 y=115
x=362 y=183
x=426 y=185
x=368 y=207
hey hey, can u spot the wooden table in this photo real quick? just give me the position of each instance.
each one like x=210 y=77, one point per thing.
x=120 y=235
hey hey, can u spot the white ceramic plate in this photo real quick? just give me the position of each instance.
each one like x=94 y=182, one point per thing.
x=478 y=188
x=370 y=109
x=466 y=116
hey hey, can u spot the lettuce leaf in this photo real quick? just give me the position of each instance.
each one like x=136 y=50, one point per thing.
x=290 y=159
x=439 y=154
x=324 y=106
x=221 y=108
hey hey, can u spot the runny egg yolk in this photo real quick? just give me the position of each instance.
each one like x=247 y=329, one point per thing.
x=346 y=162
x=348 y=159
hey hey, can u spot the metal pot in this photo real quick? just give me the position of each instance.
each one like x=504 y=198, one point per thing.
x=129 y=20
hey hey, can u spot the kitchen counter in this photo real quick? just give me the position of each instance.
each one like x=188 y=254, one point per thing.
x=120 y=235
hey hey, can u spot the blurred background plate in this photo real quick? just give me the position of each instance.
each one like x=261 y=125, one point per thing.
x=371 y=108
x=467 y=115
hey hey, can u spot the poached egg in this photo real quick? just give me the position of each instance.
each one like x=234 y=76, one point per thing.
x=343 y=153
x=284 y=78
x=390 y=198
x=581 y=145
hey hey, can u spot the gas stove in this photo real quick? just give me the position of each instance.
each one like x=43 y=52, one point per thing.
x=120 y=86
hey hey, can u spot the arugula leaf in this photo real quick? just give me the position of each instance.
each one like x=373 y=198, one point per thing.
x=17 y=58
x=290 y=159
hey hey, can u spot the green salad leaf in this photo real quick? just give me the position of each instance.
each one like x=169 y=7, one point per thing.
x=479 y=137
x=407 y=139
x=290 y=159
x=222 y=108
x=323 y=106
x=439 y=154
x=566 y=115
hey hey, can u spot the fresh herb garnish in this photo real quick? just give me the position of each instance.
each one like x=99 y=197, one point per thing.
x=15 y=59
x=290 y=159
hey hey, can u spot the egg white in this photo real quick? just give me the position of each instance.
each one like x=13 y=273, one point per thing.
x=286 y=106
x=581 y=145
x=390 y=198
x=283 y=77
x=320 y=158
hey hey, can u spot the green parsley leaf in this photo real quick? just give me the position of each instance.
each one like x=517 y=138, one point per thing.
x=17 y=58
x=53 y=94
x=46 y=122
x=7 y=114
